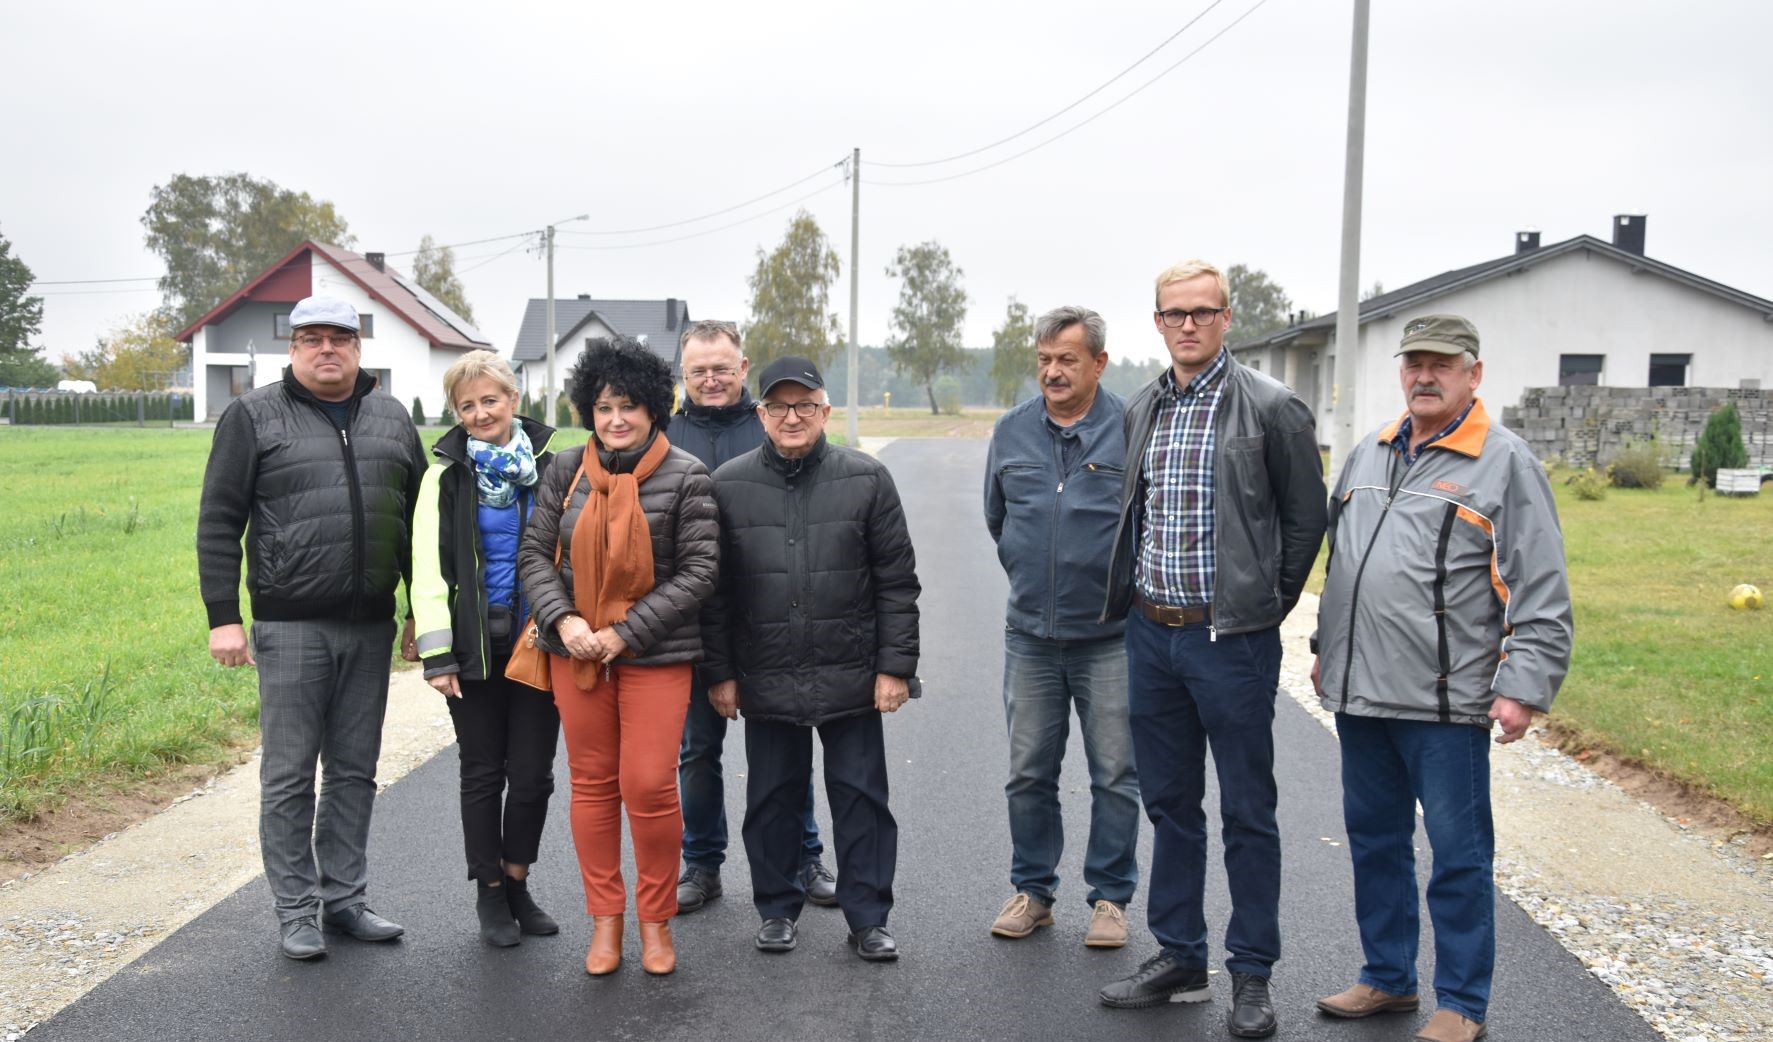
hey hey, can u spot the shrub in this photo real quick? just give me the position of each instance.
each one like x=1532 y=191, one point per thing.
x=1720 y=446
x=418 y=411
x=1637 y=465
x=948 y=395
x=447 y=418
x=1588 y=484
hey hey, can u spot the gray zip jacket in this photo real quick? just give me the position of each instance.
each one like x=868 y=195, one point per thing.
x=1446 y=583
x=1268 y=500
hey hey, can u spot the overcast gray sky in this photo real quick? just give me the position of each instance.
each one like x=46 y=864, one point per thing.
x=468 y=121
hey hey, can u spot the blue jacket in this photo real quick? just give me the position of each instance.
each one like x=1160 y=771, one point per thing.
x=1054 y=526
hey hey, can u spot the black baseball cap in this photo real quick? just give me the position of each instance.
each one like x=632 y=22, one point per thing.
x=793 y=368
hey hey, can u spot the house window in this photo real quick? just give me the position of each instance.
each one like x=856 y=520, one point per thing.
x=1669 y=370
x=1256 y=364
x=366 y=326
x=1579 y=370
x=280 y=326
x=384 y=380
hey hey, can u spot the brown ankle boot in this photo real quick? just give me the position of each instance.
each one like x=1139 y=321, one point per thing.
x=605 y=955
x=657 y=954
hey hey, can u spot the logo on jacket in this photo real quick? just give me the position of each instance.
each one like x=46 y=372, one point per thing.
x=1450 y=487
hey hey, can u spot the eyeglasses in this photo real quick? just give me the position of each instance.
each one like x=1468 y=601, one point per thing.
x=804 y=410
x=1202 y=316
x=719 y=372
x=314 y=340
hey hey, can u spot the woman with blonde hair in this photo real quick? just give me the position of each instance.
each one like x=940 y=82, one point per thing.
x=469 y=610
x=617 y=562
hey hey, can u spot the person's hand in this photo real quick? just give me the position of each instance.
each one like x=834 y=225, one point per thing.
x=576 y=634
x=446 y=684
x=724 y=697
x=610 y=644
x=227 y=645
x=1317 y=680
x=409 y=643
x=890 y=693
x=1513 y=717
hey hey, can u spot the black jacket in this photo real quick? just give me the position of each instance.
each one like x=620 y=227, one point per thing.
x=327 y=514
x=715 y=434
x=664 y=626
x=818 y=588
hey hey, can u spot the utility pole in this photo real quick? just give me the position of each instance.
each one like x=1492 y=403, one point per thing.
x=551 y=393
x=852 y=376
x=1348 y=321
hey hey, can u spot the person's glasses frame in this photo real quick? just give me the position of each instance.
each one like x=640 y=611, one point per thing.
x=1175 y=317
x=804 y=410
x=719 y=372
x=311 y=341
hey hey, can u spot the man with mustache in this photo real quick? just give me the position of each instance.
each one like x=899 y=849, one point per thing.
x=1446 y=606
x=1052 y=497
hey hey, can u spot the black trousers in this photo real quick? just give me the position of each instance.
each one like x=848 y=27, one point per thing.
x=779 y=768
x=507 y=734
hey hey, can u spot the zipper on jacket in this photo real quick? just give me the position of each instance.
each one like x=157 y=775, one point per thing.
x=1053 y=538
x=1354 y=591
x=358 y=538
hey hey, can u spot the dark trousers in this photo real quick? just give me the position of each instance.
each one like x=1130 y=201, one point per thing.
x=506 y=734
x=703 y=789
x=1188 y=692
x=780 y=762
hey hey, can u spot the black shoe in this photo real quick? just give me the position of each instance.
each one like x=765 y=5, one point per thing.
x=1159 y=979
x=875 y=944
x=530 y=918
x=497 y=928
x=696 y=887
x=776 y=935
x=1252 y=1010
x=359 y=922
x=301 y=939
x=821 y=886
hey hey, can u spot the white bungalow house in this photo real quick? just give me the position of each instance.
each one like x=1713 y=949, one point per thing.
x=409 y=336
x=657 y=323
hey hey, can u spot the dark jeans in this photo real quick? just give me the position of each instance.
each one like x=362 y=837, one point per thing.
x=1188 y=692
x=1387 y=766
x=703 y=791
x=780 y=764
x=506 y=734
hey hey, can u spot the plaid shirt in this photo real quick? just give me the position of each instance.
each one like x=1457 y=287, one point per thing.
x=1401 y=440
x=1176 y=565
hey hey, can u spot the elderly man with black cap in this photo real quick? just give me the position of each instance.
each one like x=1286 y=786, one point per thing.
x=320 y=476
x=1446 y=607
x=813 y=626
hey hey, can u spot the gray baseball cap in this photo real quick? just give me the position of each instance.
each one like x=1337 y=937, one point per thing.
x=324 y=311
x=1442 y=334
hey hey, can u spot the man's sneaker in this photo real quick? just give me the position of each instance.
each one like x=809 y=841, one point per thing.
x=696 y=887
x=1252 y=1010
x=1159 y=979
x=1363 y=1001
x=1108 y=926
x=1448 y=1026
x=820 y=884
x=1021 y=916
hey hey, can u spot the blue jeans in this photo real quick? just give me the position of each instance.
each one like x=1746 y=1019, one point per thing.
x=703 y=792
x=1042 y=680
x=1187 y=692
x=1387 y=766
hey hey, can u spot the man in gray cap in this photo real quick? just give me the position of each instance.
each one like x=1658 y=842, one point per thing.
x=1446 y=606
x=320 y=476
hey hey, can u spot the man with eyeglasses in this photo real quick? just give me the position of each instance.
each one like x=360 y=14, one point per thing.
x=717 y=422
x=320 y=476
x=1222 y=512
x=813 y=627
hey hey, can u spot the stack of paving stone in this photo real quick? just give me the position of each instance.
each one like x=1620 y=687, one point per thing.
x=1583 y=426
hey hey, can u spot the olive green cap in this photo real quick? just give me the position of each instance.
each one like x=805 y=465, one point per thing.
x=1442 y=334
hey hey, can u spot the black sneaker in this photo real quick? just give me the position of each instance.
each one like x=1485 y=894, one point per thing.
x=1252 y=1009
x=1159 y=979
x=696 y=887
x=820 y=884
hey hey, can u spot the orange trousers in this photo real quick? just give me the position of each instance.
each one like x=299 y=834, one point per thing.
x=621 y=748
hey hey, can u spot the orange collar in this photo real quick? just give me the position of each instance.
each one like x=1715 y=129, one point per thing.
x=1468 y=439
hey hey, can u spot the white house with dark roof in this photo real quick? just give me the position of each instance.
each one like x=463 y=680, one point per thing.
x=1578 y=312
x=409 y=337
x=657 y=323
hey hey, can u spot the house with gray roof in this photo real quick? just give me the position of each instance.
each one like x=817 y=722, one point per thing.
x=657 y=323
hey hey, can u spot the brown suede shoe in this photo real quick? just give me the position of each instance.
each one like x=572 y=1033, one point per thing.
x=1448 y=1026
x=1363 y=1001
x=1020 y=917
x=657 y=954
x=605 y=955
x=1108 y=926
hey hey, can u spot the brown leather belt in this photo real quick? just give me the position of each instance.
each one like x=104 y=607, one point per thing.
x=1169 y=615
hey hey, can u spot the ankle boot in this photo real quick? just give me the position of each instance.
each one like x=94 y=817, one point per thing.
x=605 y=955
x=497 y=928
x=657 y=954
x=531 y=919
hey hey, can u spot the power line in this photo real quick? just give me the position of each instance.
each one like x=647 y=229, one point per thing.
x=1036 y=126
x=1078 y=126
x=513 y=248
x=709 y=231
x=706 y=216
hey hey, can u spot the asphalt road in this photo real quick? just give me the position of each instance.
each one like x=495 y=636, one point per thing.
x=221 y=976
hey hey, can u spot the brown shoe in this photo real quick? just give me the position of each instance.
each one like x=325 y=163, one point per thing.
x=1108 y=926
x=1448 y=1026
x=1363 y=1001
x=1020 y=917
x=657 y=954
x=605 y=955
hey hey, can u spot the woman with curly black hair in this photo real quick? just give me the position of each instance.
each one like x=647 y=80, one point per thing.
x=617 y=559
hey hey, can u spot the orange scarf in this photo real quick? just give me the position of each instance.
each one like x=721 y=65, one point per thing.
x=612 y=548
